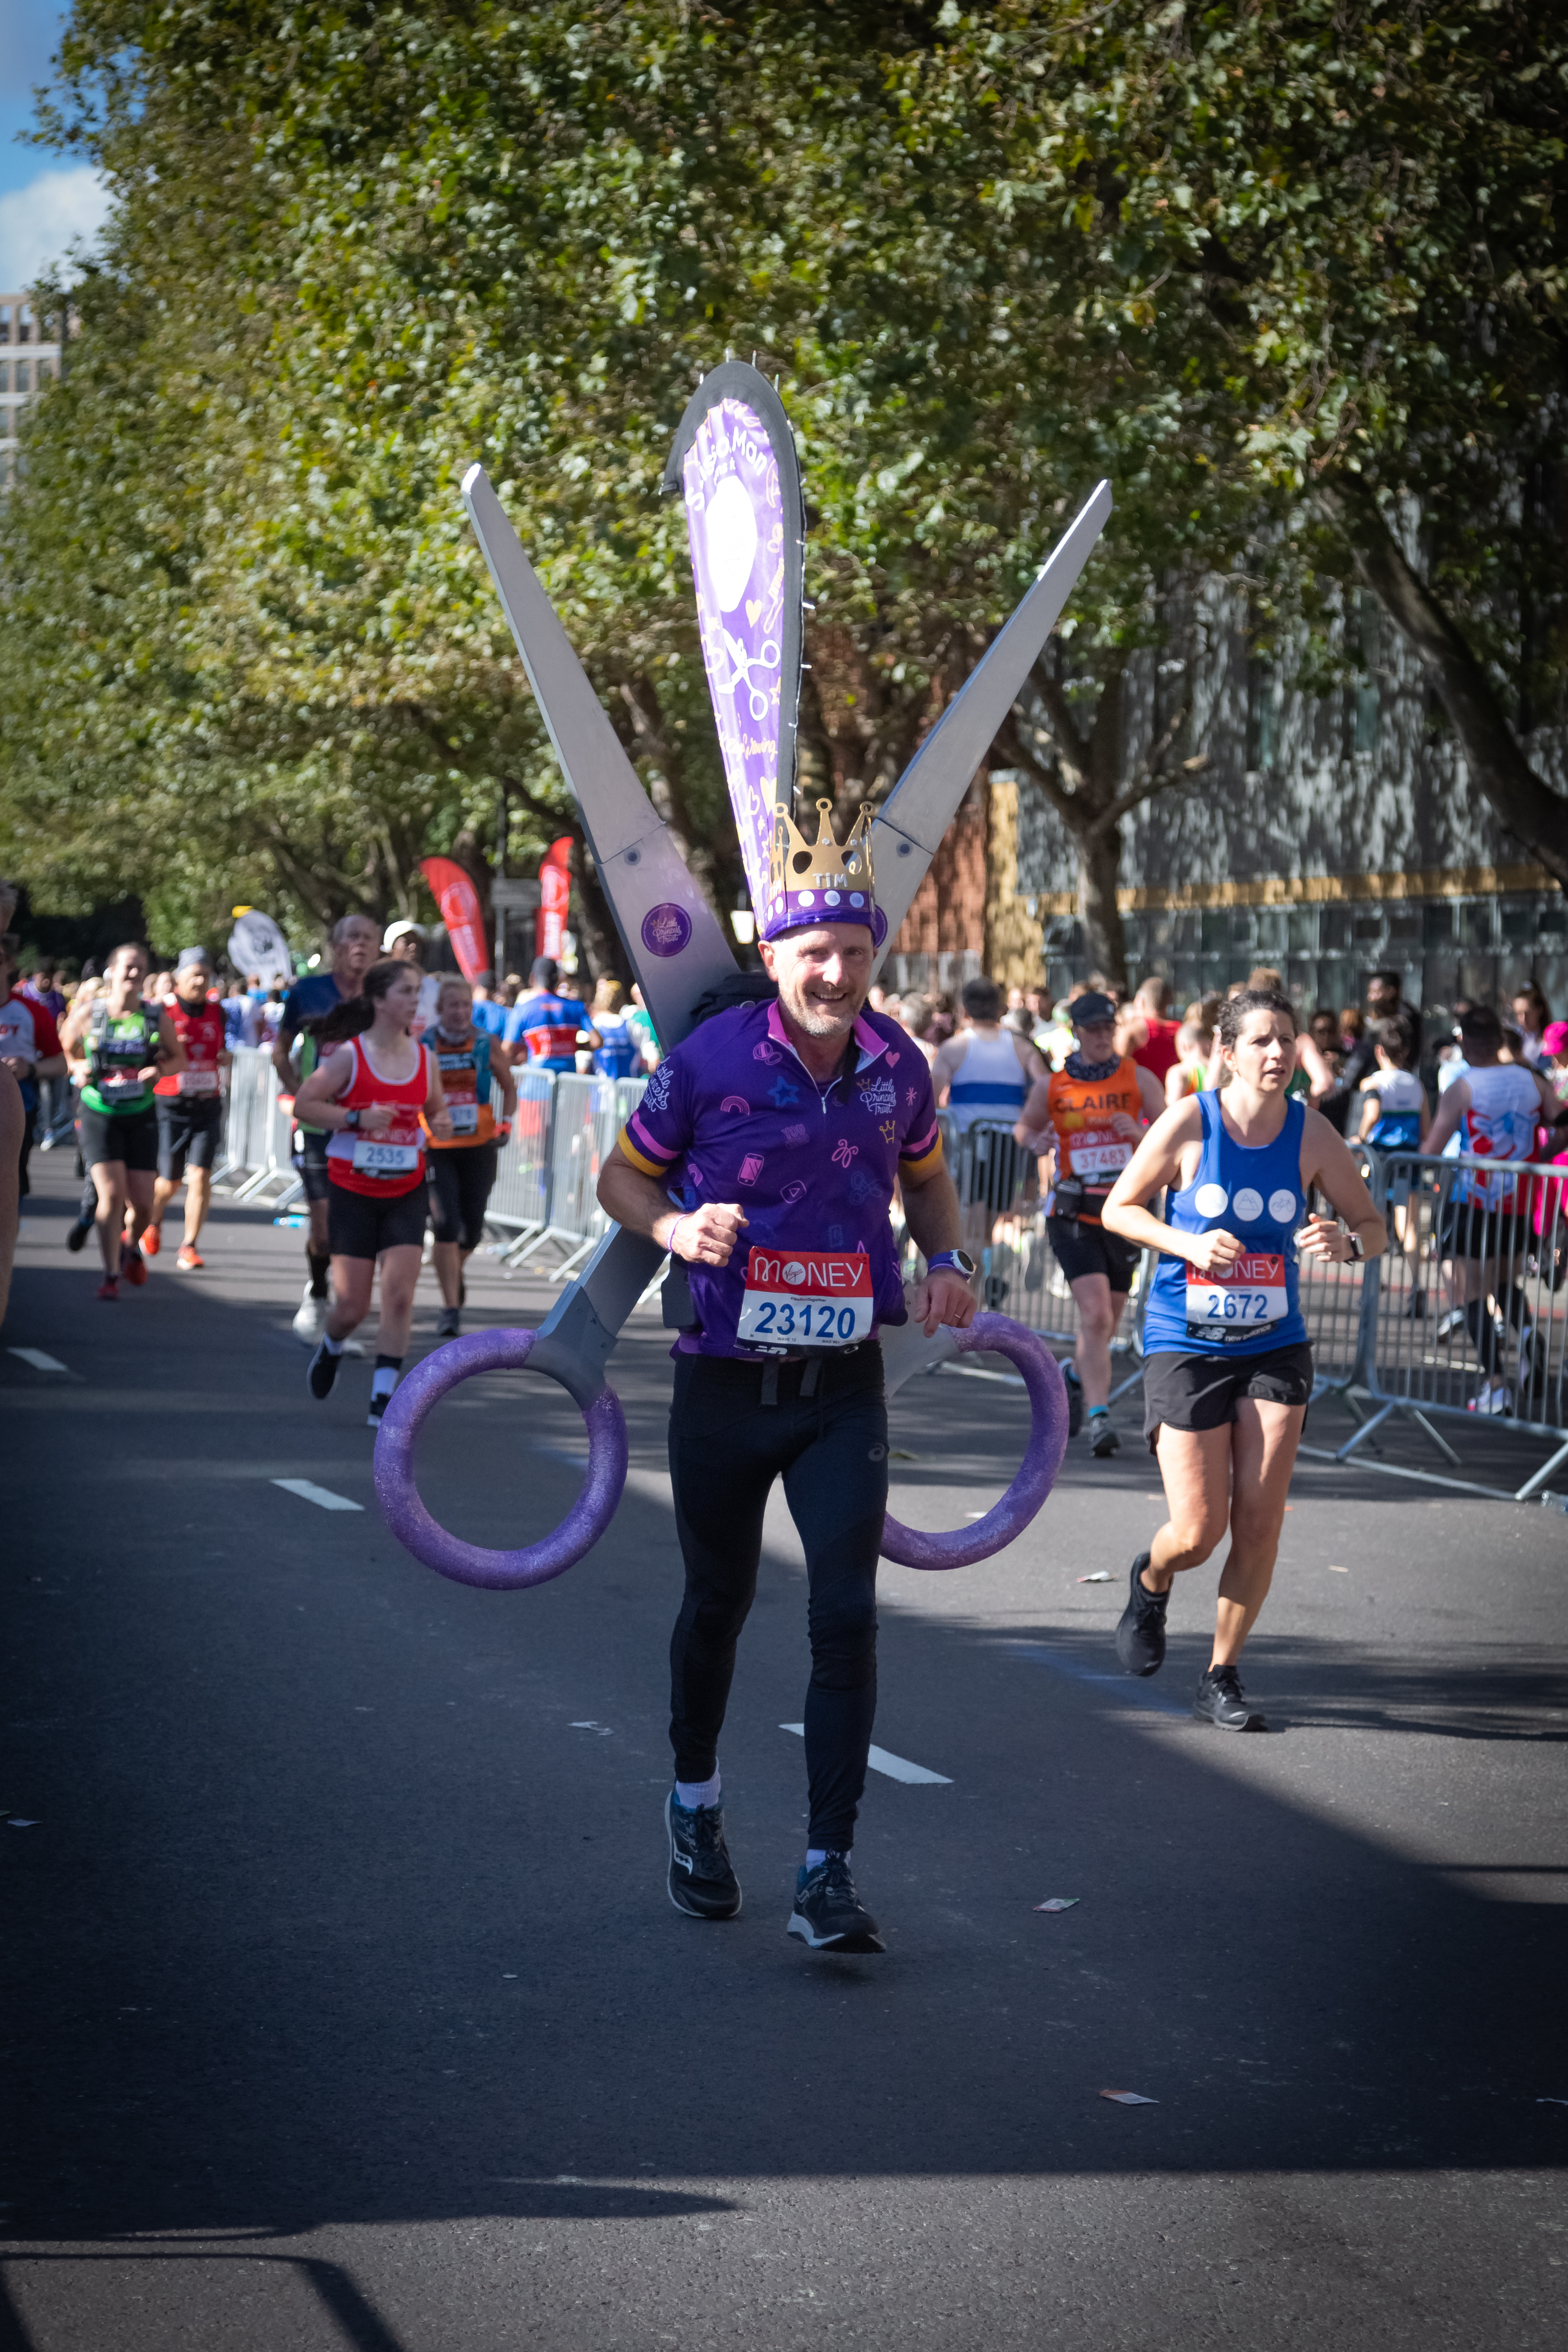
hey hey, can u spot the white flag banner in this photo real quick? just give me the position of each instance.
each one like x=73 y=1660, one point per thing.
x=256 y=945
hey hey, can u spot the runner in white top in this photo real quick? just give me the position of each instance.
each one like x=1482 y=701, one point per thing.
x=1493 y=1110
x=982 y=1077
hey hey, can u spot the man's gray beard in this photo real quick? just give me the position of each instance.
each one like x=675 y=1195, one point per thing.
x=816 y=1023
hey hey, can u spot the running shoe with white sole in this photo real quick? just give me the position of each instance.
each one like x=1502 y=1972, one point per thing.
x=828 y=1914
x=1221 y=1701
x=152 y=1240
x=190 y=1259
x=702 y=1881
x=310 y=1318
x=1103 y=1438
x=450 y=1323
x=1141 y=1631
x=321 y=1372
x=380 y=1400
x=1493 y=1396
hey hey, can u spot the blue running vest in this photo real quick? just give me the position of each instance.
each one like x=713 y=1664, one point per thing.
x=1256 y=1195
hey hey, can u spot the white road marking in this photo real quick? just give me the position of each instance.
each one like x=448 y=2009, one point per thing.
x=36 y=1358
x=308 y=1492
x=896 y=1768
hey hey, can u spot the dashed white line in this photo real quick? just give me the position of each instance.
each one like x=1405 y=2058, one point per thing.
x=896 y=1768
x=36 y=1358
x=308 y=1492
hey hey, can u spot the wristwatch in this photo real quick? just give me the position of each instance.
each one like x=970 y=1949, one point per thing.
x=351 y=1119
x=959 y=1261
x=1358 y=1251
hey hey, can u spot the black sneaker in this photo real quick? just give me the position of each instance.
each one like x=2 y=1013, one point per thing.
x=1140 y=1632
x=321 y=1372
x=1104 y=1441
x=450 y=1323
x=378 y=1405
x=1220 y=1701
x=828 y=1914
x=1069 y=1371
x=702 y=1881
x=995 y=1286
x=78 y=1233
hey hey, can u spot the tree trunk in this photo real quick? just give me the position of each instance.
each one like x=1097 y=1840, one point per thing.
x=1099 y=871
x=1530 y=809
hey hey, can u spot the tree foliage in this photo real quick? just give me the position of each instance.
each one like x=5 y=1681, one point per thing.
x=1258 y=264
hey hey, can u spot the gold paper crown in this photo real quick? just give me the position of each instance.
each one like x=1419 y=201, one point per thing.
x=795 y=863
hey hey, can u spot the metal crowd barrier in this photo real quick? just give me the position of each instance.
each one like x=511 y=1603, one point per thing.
x=1005 y=1227
x=1467 y=1315
x=257 y=1133
x=547 y=1186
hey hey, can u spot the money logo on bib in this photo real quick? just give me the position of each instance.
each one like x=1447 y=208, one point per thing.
x=817 y=1299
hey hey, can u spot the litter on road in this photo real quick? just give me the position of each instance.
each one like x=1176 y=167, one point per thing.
x=1057 y=1903
x=1130 y=2098
x=323 y=1496
x=896 y=1768
x=1101 y=1576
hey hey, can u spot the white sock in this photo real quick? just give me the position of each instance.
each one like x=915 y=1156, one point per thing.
x=384 y=1380
x=692 y=1793
x=333 y=1347
x=817 y=1853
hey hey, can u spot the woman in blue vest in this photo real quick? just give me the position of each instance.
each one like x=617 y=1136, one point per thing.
x=1227 y=1371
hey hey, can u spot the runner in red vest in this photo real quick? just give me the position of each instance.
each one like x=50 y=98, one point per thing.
x=368 y=1093
x=189 y=1104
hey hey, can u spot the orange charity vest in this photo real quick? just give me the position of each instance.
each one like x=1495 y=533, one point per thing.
x=1080 y=1111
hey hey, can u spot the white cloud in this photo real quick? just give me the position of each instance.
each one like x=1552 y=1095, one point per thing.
x=38 y=221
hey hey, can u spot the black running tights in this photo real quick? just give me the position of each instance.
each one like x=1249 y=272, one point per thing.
x=734 y=1427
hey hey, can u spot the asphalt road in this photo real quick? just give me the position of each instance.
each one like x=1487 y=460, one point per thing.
x=346 y=2007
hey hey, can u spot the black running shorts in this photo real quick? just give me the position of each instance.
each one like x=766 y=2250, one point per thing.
x=130 y=1136
x=989 y=1168
x=361 y=1224
x=1201 y=1392
x=461 y=1181
x=318 y=1185
x=1083 y=1248
x=189 y=1130
x=1467 y=1230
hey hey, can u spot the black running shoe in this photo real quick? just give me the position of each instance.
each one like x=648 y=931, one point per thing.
x=379 y=1401
x=1069 y=1371
x=78 y=1233
x=702 y=1881
x=1219 y=1701
x=450 y=1323
x=1104 y=1440
x=1140 y=1633
x=321 y=1372
x=828 y=1914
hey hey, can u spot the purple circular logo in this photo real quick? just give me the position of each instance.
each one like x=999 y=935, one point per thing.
x=665 y=929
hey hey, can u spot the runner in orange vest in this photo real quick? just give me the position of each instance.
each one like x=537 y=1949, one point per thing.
x=1088 y=1116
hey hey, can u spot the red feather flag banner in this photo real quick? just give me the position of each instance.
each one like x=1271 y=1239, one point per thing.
x=459 y=900
x=554 y=898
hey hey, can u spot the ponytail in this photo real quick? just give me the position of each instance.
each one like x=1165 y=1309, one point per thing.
x=352 y=1019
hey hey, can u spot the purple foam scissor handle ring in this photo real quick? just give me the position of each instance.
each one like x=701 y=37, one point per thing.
x=410 y=1523
x=911 y=1547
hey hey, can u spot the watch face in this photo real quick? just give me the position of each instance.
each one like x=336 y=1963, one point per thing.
x=963 y=1264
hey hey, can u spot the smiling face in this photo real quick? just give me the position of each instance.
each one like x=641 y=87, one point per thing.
x=824 y=976
x=192 y=985
x=1097 y=1040
x=127 y=974
x=1264 y=1054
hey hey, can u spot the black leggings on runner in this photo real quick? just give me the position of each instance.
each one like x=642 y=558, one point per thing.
x=728 y=1443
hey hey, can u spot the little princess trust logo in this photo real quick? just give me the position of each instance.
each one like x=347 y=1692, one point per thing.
x=665 y=928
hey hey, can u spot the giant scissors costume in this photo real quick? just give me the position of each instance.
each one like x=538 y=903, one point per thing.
x=735 y=459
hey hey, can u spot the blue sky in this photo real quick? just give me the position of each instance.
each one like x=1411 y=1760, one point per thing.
x=45 y=200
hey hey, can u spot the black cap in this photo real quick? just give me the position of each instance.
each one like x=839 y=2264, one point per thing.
x=1086 y=1009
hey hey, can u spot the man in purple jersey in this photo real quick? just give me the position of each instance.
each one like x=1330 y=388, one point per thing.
x=763 y=1156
